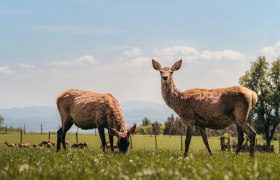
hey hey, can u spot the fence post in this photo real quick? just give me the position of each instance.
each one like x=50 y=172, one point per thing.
x=20 y=136
x=156 y=140
x=130 y=142
x=181 y=142
x=49 y=135
x=229 y=144
x=41 y=129
x=279 y=146
x=77 y=138
x=24 y=129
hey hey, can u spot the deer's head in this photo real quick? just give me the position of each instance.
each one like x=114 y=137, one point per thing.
x=123 y=137
x=166 y=72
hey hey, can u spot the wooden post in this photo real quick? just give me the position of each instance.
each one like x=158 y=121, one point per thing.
x=24 y=129
x=181 y=138
x=41 y=129
x=156 y=141
x=181 y=142
x=229 y=145
x=130 y=142
x=279 y=145
x=77 y=138
x=49 y=135
x=20 y=137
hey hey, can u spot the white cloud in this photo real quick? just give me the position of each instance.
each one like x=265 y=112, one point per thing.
x=222 y=55
x=176 y=51
x=84 y=60
x=5 y=70
x=191 y=55
x=271 y=52
x=133 y=52
x=27 y=66
x=141 y=61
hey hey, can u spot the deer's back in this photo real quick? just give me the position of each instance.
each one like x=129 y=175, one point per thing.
x=214 y=108
x=87 y=108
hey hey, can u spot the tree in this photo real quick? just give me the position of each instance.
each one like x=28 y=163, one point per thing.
x=264 y=80
x=156 y=128
x=1 y=121
x=173 y=126
x=146 y=122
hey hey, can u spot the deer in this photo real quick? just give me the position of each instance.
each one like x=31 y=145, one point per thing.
x=209 y=108
x=88 y=110
x=80 y=145
x=9 y=145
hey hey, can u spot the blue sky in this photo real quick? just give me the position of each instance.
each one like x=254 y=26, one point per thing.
x=49 y=46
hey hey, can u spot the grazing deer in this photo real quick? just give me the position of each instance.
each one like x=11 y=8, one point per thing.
x=45 y=142
x=9 y=145
x=80 y=145
x=88 y=110
x=209 y=108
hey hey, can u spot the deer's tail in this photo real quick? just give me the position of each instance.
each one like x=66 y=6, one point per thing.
x=254 y=99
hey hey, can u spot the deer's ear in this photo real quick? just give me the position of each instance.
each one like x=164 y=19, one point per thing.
x=156 y=65
x=177 y=65
x=113 y=132
x=132 y=130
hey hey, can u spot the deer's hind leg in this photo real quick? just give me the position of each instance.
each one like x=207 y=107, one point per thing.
x=205 y=138
x=67 y=124
x=252 y=136
x=240 y=134
x=241 y=114
x=58 y=142
x=61 y=133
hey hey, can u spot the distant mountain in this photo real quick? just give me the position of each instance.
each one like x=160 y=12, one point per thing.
x=33 y=117
x=135 y=111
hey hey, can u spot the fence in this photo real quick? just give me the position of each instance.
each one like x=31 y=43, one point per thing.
x=139 y=141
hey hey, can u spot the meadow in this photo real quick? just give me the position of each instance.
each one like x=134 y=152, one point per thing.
x=143 y=161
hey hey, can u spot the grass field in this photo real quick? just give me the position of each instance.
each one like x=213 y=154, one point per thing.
x=141 y=162
x=137 y=164
x=138 y=141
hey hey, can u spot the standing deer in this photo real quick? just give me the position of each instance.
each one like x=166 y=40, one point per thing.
x=88 y=110
x=209 y=108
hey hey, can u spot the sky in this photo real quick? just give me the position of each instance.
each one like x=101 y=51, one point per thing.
x=47 y=47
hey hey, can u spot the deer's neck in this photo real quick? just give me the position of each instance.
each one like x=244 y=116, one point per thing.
x=171 y=94
x=119 y=122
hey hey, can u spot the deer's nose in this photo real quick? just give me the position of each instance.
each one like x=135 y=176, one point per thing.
x=165 y=77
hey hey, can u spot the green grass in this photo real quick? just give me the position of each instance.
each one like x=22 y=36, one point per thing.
x=141 y=162
x=138 y=164
x=138 y=141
